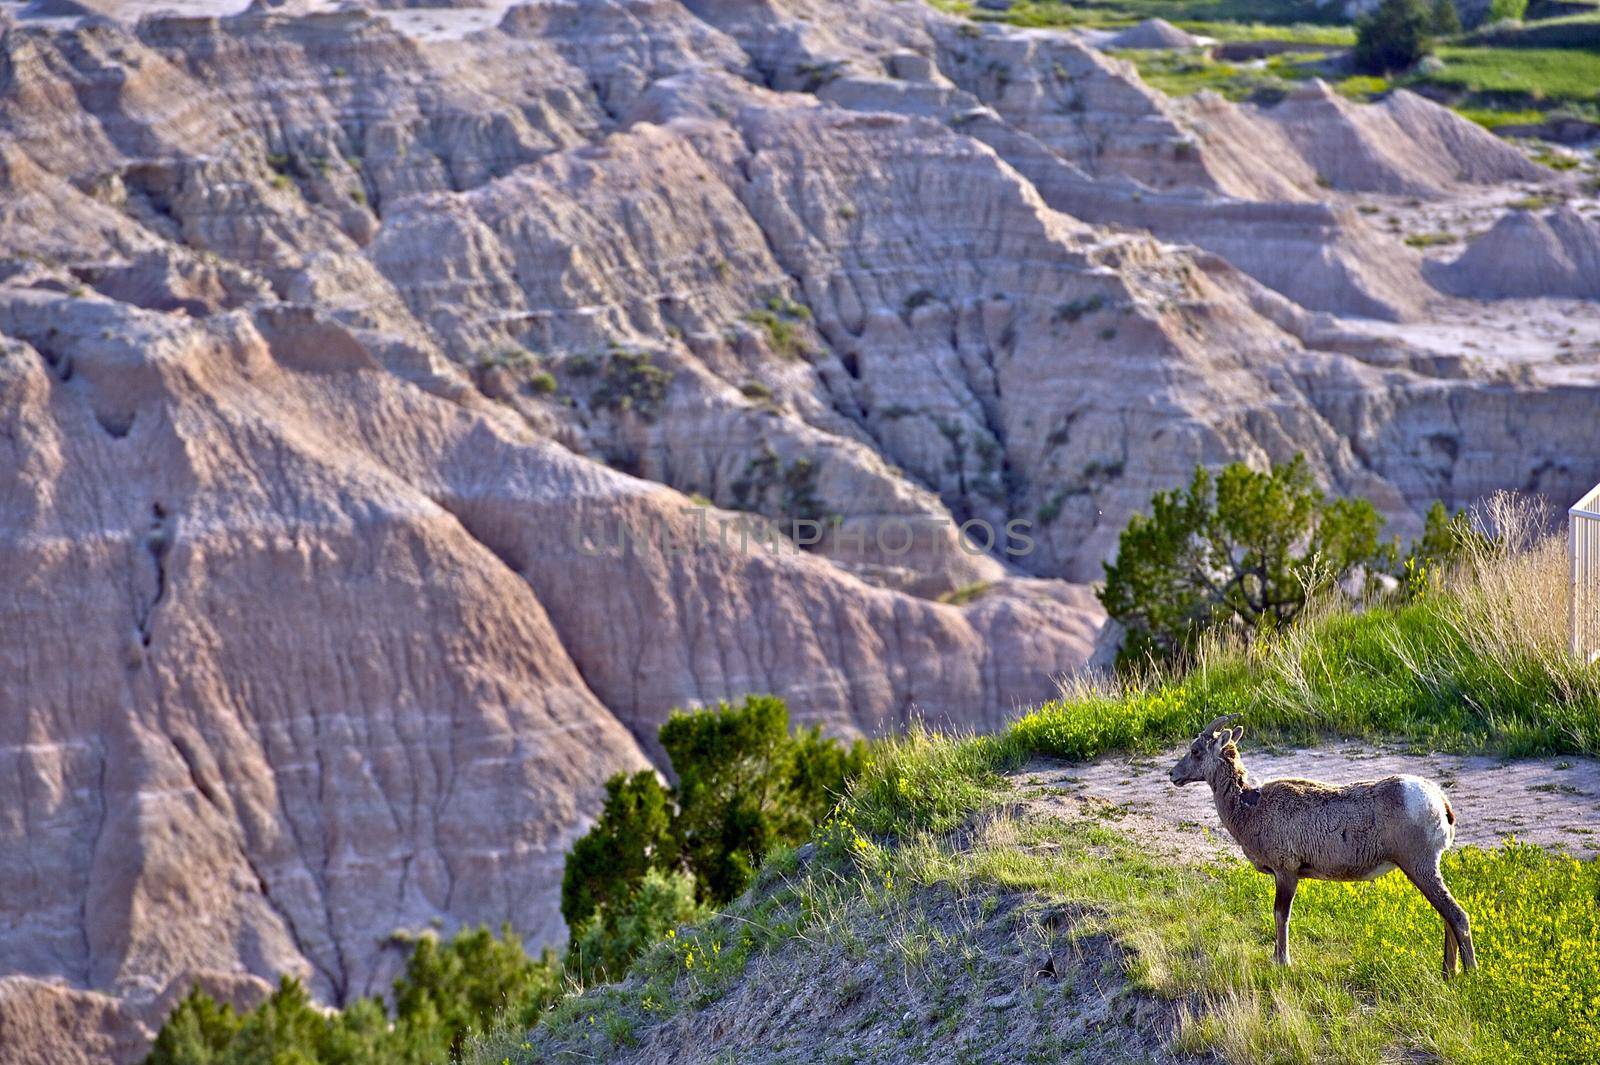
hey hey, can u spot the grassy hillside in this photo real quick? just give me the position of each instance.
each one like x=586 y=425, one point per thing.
x=936 y=884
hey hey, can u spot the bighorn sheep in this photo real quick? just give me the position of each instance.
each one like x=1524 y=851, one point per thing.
x=1300 y=828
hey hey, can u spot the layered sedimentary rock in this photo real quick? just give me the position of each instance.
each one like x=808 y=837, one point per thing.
x=404 y=409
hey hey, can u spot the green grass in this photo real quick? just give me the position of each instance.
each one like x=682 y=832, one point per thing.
x=1567 y=32
x=1365 y=985
x=1492 y=86
x=1430 y=240
x=1509 y=76
x=967 y=593
x=1536 y=73
x=1295 y=33
x=1183 y=74
x=1121 y=12
x=1494 y=118
x=1410 y=673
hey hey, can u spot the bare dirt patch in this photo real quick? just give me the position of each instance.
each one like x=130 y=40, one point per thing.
x=1553 y=802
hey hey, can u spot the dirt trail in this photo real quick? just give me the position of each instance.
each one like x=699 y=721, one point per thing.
x=1554 y=802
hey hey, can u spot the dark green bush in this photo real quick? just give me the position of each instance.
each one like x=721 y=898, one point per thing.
x=745 y=786
x=1393 y=36
x=1444 y=20
x=632 y=836
x=605 y=945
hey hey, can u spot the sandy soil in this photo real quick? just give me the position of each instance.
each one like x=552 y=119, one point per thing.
x=1554 y=802
x=1558 y=340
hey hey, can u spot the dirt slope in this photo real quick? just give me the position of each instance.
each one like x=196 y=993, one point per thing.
x=974 y=974
x=1529 y=254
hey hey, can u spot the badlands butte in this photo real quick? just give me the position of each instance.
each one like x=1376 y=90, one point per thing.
x=324 y=329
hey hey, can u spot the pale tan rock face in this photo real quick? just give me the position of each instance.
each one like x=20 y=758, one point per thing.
x=1532 y=254
x=329 y=335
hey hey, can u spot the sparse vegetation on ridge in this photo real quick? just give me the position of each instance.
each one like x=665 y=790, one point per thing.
x=783 y=321
x=1476 y=660
x=1198 y=936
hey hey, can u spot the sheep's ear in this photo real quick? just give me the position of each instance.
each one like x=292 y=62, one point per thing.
x=1238 y=731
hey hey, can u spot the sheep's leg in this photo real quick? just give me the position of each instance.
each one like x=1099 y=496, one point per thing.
x=1282 y=904
x=1430 y=882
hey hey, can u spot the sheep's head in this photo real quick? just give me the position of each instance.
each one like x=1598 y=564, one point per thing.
x=1206 y=751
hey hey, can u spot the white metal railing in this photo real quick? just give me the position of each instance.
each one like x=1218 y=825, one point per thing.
x=1583 y=544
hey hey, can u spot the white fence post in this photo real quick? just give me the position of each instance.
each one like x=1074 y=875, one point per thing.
x=1583 y=548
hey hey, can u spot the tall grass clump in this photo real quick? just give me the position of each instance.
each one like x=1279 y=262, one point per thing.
x=928 y=781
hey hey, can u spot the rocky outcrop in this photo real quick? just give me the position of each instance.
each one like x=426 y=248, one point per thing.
x=1528 y=254
x=1153 y=33
x=1402 y=145
x=403 y=411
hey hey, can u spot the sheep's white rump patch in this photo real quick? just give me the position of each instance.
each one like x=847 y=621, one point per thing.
x=1425 y=806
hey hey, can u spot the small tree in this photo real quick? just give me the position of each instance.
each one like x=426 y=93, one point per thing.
x=745 y=786
x=199 y=1031
x=448 y=991
x=1241 y=548
x=1446 y=538
x=1393 y=36
x=1444 y=20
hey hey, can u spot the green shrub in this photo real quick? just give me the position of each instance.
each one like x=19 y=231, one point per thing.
x=1050 y=509
x=630 y=381
x=769 y=485
x=542 y=383
x=632 y=836
x=452 y=989
x=1393 y=37
x=782 y=320
x=745 y=786
x=1507 y=10
x=1071 y=312
x=447 y=992
x=1242 y=548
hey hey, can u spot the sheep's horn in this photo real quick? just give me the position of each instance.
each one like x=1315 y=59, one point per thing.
x=1216 y=726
